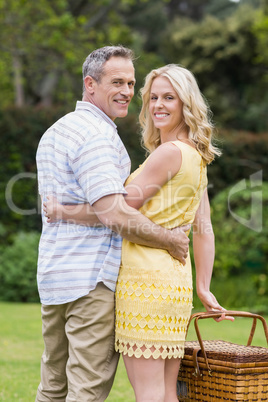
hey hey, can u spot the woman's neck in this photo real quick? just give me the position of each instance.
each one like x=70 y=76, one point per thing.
x=174 y=136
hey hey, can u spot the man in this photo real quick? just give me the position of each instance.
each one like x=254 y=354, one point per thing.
x=81 y=159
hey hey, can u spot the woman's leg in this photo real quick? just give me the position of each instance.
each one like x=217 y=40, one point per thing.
x=172 y=367
x=147 y=377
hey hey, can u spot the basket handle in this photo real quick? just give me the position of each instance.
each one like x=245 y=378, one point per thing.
x=218 y=314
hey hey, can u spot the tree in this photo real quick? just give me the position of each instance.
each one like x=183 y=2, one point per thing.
x=44 y=44
x=239 y=217
x=193 y=9
x=222 y=54
x=260 y=30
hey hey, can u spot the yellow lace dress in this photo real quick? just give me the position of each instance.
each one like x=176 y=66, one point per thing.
x=154 y=290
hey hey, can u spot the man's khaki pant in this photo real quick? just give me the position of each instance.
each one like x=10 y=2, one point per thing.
x=79 y=360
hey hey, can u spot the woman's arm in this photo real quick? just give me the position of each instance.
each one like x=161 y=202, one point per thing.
x=162 y=165
x=204 y=253
x=79 y=214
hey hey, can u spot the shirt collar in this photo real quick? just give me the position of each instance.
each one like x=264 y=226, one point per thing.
x=82 y=105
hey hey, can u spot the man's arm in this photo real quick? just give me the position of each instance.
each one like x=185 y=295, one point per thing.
x=120 y=213
x=163 y=164
x=114 y=212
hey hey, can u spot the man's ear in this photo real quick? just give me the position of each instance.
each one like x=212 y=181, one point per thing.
x=90 y=84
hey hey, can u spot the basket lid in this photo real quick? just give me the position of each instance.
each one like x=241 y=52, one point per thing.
x=228 y=352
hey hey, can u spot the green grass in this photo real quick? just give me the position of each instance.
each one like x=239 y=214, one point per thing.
x=21 y=347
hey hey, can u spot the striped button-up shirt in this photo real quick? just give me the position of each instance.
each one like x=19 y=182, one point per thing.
x=80 y=159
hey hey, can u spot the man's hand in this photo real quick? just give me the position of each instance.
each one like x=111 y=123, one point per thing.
x=212 y=306
x=180 y=243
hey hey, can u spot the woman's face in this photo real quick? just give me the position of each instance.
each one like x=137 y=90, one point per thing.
x=165 y=105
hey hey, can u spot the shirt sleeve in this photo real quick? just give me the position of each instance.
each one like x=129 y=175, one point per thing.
x=97 y=168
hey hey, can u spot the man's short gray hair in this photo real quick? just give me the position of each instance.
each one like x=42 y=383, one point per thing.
x=93 y=65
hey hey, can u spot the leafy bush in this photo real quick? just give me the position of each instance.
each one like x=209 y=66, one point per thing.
x=246 y=292
x=231 y=68
x=240 y=222
x=243 y=153
x=18 y=265
x=21 y=130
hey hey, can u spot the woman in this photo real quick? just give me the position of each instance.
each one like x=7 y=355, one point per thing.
x=154 y=291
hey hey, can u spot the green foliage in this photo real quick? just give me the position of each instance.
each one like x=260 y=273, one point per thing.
x=243 y=154
x=260 y=29
x=18 y=265
x=128 y=131
x=221 y=8
x=240 y=221
x=144 y=64
x=21 y=130
x=47 y=51
x=222 y=54
x=242 y=292
x=223 y=42
x=148 y=19
x=6 y=86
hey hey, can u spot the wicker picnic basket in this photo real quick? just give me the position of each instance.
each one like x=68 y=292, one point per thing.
x=223 y=371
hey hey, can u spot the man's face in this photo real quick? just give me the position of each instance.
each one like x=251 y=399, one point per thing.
x=116 y=89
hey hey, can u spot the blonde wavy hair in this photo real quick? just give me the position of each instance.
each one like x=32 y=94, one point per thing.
x=196 y=112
